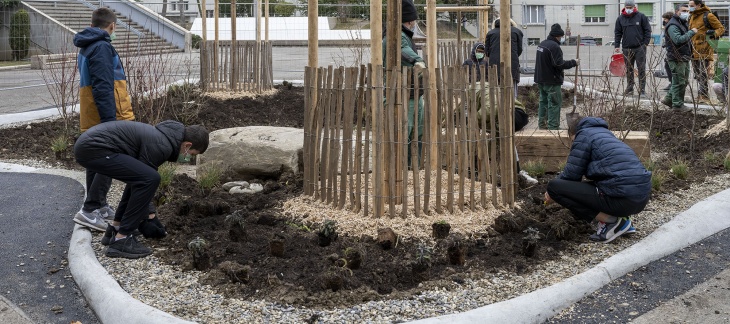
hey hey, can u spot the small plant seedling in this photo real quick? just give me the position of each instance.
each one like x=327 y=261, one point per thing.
x=650 y=164
x=441 y=222
x=711 y=157
x=532 y=234
x=535 y=168
x=209 y=177
x=59 y=144
x=197 y=245
x=680 y=169
x=299 y=226
x=167 y=172
x=329 y=228
x=657 y=180
x=423 y=254
x=237 y=218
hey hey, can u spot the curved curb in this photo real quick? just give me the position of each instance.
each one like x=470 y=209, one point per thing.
x=12 y=313
x=107 y=299
x=702 y=220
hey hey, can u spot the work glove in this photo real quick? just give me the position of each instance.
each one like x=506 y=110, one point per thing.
x=421 y=65
x=152 y=228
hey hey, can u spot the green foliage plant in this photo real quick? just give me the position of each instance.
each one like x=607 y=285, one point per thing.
x=20 y=34
x=680 y=169
x=535 y=168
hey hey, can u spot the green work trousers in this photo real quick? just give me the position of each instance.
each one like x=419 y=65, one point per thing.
x=411 y=107
x=680 y=75
x=548 y=112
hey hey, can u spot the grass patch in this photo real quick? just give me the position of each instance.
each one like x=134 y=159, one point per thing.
x=166 y=171
x=59 y=144
x=726 y=163
x=680 y=169
x=209 y=177
x=535 y=168
x=711 y=157
x=657 y=180
x=650 y=165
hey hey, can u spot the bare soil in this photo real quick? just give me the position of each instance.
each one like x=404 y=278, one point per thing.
x=312 y=275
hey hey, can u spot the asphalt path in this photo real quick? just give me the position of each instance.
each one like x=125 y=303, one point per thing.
x=36 y=213
x=632 y=298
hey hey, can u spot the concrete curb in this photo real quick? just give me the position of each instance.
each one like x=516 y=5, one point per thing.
x=702 y=220
x=108 y=300
x=15 y=67
x=10 y=313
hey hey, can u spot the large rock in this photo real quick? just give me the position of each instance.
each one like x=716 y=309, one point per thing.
x=255 y=150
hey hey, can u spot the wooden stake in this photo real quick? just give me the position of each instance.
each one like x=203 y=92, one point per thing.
x=432 y=64
x=234 y=48
x=428 y=144
x=450 y=129
x=493 y=99
x=415 y=154
x=439 y=137
x=402 y=142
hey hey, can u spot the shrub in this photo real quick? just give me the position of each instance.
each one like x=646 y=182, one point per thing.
x=657 y=180
x=8 y=3
x=166 y=171
x=726 y=163
x=209 y=177
x=535 y=168
x=20 y=34
x=195 y=41
x=679 y=169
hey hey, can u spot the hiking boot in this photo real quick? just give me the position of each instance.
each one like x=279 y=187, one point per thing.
x=608 y=232
x=91 y=220
x=667 y=102
x=107 y=213
x=108 y=234
x=127 y=247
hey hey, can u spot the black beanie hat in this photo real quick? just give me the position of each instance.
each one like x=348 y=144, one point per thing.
x=409 y=11
x=556 y=31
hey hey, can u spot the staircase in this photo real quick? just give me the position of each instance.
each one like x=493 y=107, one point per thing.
x=77 y=16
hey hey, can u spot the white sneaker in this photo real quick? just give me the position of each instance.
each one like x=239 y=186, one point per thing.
x=528 y=179
x=107 y=213
x=91 y=220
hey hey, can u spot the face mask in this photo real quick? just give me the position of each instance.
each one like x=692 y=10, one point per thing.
x=480 y=56
x=629 y=11
x=412 y=28
x=692 y=9
x=562 y=40
x=184 y=158
x=113 y=36
x=684 y=15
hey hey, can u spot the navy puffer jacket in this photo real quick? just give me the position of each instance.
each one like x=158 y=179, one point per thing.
x=599 y=156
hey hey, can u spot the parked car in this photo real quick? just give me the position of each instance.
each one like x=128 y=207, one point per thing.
x=610 y=43
x=588 y=42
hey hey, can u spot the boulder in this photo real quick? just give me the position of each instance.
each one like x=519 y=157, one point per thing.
x=255 y=151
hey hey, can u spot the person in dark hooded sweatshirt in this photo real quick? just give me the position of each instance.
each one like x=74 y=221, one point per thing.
x=103 y=97
x=491 y=45
x=131 y=152
x=476 y=61
x=633 y=33
x=549 y=76
x=618 y=183
x=410 y=58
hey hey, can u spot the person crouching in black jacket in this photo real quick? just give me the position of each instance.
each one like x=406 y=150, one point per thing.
x=131 y=152
x=549 y=67
x=619 y=185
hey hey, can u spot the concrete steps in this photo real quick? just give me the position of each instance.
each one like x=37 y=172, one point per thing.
x=77 y=16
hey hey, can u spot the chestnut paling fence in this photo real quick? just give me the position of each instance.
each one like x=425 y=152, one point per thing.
x=245 y=66
x=356 y=157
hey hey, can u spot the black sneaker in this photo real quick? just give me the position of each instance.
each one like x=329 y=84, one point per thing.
x=127 y=247
x=608 y=232
x=107 y=238
x=111 y=232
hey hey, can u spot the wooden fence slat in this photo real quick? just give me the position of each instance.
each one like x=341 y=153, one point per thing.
x=483 y=144
x=440 y=136
x=335 y=149
x=450 y=96
x=308 y=109
x=415 y=154
x=402 y=142
x=319 y=120
x=380 y=145
x=473 y=135
x=360 y=106
x=324 y=163
x=369 y=89
x=347 y=113
x=462 y=134
x=493 y=99
x=427 y=142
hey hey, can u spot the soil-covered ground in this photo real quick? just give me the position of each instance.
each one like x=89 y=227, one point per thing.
x=254 y=250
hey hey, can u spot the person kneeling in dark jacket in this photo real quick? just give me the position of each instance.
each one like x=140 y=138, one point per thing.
x=619 y=184
x=131 y=152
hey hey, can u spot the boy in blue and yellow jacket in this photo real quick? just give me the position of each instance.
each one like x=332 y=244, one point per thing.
x=103 y=97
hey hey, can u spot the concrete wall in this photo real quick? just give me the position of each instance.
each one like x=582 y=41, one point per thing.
x=46 y=34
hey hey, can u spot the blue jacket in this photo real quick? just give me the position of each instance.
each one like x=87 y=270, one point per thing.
x=599 y=156
x=103 y=93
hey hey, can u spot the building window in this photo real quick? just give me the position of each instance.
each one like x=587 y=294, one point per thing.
x=173 y=6
x=533 y=15
x=533 y=41
x=647 y=9
x=595 y=13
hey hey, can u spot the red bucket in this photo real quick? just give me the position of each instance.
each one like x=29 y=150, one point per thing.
x=617 y=65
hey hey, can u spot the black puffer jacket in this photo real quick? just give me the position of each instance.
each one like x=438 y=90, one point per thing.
x=632 y=31
x=491 y=46
x=152 y=145
x=549 y=63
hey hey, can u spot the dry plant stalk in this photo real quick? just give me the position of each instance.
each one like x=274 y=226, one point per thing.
x=61 y=79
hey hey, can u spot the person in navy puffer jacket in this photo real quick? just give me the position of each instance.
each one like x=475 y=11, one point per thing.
x=619 y=185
